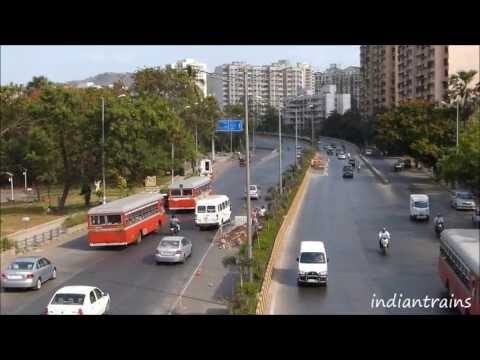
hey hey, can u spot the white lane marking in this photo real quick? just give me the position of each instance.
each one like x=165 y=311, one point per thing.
x=191 y=277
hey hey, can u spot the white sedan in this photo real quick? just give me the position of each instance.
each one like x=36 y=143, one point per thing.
x=79 y=300
x=342 y=156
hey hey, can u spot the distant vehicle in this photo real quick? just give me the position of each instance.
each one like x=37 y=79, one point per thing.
x=459 y=266
x=213 y=210
x=312 y=263
x=398 y=166
x=333 y=145
x=173 y=249
x=368 y=152
x=255 y=192
x=242 y=161
x=419 y=207
x=183 y=194
x=352 y=162
x=79 y=300
x=127 y=220
x=341 y=156
x=28 y=272
x=299 y=147
x=330 y=152
x=407 y=163
x=347 y=171
x=463 y=200
x=205 y=167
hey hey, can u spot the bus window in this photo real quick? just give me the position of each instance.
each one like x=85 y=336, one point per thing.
x=201 y=209
x=175 y=192
x=207 y=166
x=187 y=192
x=211 y=208
x=114 y=219
x=98 y=220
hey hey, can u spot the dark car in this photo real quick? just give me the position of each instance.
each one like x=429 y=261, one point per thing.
x=407 y=163
x=347 y=171
x=329 y=152
x=352 y=162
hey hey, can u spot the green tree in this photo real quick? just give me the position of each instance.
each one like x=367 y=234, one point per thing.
x=460 y=90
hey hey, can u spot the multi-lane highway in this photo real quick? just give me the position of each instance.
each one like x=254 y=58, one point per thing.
x=135 y=283
x=347 y=214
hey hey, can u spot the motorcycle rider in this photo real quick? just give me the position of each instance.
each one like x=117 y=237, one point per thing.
x=438 y=220
x=262 y=211
x=381 y=234
x=174 y=223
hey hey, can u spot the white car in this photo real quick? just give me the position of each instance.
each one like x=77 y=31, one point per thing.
x=463 y=200
x=312 y=263
x=79 y=300
x=255 y=192
x=342 y=156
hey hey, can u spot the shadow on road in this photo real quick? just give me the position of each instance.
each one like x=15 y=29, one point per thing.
x=285 y=276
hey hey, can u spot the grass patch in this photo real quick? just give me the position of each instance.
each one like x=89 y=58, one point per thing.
x=245 y=298
x=5 y=244
x=75 y=219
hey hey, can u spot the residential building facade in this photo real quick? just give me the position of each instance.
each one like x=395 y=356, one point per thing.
x=314 y=108
x=200 y=68
x=392 y=74
x=347 y=81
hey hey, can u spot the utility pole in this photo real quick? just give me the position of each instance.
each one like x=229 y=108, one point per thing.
x=173 y=155
x=103 y=152
x=231 y=139
x=457 y=120
x=25 y=175
x=213 y=147
x=249 y=207
x=296 y=137
x=280 y=149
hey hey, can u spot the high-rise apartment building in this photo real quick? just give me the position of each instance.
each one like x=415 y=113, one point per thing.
x=392 y=74
x=267 y=84
x=346 y=80
x=316 y=108
x=201 y=69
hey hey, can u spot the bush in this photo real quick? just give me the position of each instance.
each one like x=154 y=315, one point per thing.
x=75 y=219
x=6 y=244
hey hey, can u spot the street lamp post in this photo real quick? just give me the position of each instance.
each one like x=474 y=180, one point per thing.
x=310 y=108
x=280 y=149
x=173 y=159
x=457 y=121
x=10 y=180
x=103 y=151
x=296 y=137
x=249 y=207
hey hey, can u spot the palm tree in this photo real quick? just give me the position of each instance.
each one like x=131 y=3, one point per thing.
x=460 y=91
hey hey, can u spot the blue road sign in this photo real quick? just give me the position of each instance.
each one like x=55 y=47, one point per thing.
x=230 y=125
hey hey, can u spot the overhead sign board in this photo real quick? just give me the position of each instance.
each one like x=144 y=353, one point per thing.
x=230 y=125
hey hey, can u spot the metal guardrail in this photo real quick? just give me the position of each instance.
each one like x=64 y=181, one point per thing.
x=30 y=242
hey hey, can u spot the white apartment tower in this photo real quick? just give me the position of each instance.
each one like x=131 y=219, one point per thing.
x=201 y=72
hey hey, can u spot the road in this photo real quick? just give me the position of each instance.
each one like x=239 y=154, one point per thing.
x=135 y=283
x=346 y=214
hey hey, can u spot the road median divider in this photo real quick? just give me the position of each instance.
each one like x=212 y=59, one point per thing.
x=374 y=170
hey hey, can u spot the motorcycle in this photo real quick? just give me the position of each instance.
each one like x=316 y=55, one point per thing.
x=439 y=227
x=174 y=229
x=384 y=243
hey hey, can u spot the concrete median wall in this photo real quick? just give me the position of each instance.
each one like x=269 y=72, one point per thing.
x=263 y=297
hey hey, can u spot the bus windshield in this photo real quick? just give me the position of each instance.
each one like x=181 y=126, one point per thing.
x=201 y=209
x=421 y=204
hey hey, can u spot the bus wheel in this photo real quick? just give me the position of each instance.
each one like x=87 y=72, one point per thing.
x=139 y=238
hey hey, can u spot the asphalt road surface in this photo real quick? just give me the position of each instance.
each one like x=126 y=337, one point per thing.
x=347 y=214
x=130 y=275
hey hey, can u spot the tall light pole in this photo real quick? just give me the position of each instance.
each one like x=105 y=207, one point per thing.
x=249 y=210
x=280 y=149
x=10 y=180
x=173 y=157
x=310 y=108
x=457 y=120
x=25 y=175
x=296 y=137
x=103 y=151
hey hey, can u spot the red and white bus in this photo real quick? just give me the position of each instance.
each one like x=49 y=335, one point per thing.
x=183 y=194
x=459 y=266
x=126 y=220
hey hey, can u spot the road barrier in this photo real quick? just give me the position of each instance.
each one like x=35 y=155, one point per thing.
x=263 y=296
x=374 y=170
x=37 y=240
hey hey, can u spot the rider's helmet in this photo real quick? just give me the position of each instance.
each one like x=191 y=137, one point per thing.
x=384 y=229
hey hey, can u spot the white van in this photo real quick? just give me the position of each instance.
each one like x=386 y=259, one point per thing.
x=205 y=168
x=312 y=263
x=212 y=210
x=419 y=207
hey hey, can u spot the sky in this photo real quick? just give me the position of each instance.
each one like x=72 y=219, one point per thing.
x=19 y=64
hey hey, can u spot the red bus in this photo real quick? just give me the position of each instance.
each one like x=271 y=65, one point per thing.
x=126 y=220
x=182 y=194
x=459 y=266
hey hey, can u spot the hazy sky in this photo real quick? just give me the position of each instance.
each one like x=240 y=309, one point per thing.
x=63 y=63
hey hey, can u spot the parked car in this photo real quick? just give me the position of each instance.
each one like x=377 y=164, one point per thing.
x=255 y=192
x=463 y=200
x=28 y=272
x=330 y=152
x=173 y=249
x=352 y=162
x=79 y=300
x=347 y=171
x=241 y=161
x=398 y=166
x=368 y=152
x=341 y=156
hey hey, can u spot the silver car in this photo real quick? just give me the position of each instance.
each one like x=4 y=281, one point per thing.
x=173 y=249
x=28 y=272
x=463 y=200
